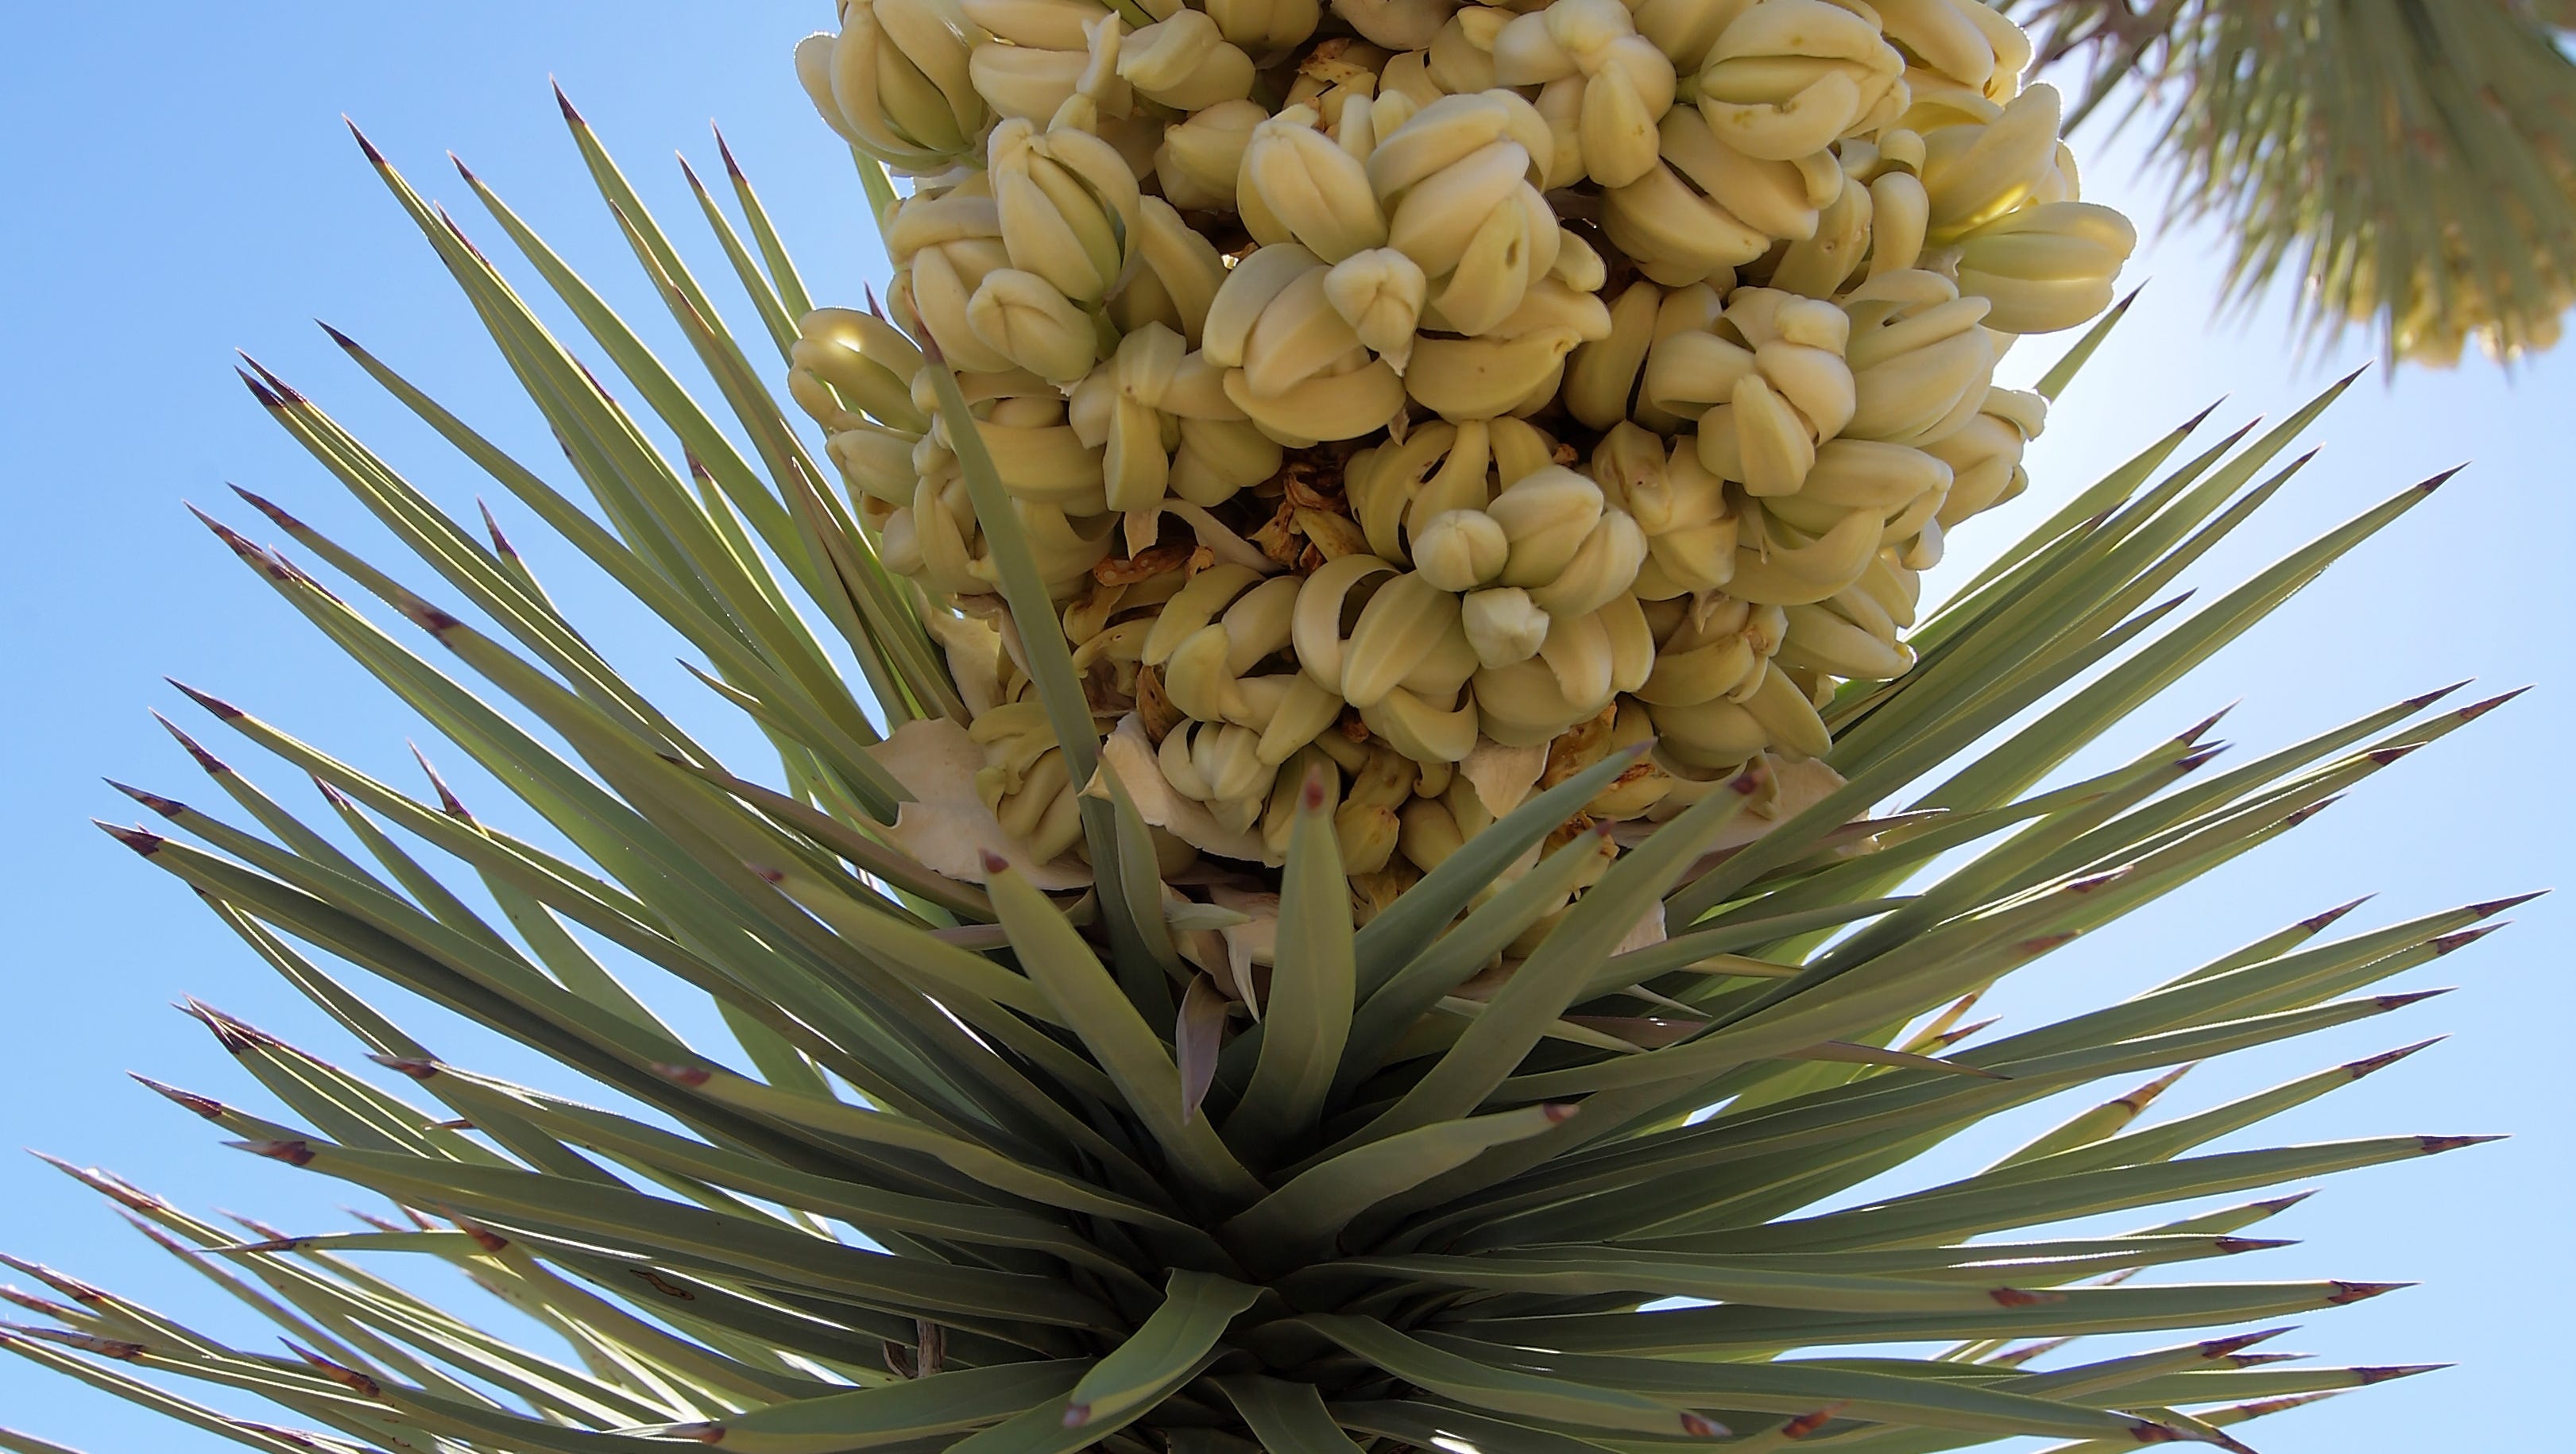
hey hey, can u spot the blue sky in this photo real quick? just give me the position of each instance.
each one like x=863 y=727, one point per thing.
x=183 y=187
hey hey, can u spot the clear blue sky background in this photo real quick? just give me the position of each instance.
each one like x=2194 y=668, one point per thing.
x=182 y=186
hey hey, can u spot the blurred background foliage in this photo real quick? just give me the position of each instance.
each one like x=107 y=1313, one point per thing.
x=2407 y=165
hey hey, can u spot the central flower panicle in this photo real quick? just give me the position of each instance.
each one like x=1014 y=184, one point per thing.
x=1417 y=386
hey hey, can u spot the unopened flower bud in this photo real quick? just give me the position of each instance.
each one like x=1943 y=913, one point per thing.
x=1459 y=550
x=1504 y=625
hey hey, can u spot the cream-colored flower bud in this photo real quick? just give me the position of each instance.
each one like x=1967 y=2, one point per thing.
x=1460 y=58
x=1818 y=266
x=896 y=81
x=1429 y=835
x=1038 y=457
x=1028 y=321
x=1546 y=516
x=1963 y=41
x=1166 y=424
x=1456 y=180
x=1976 y=172
x=1920 y=360
x=1294 y=365
x=1263 y=28
x=1686 y=30
x=1201 y=156
x=1220 y=765
x=1601 y=377
x=1590 y=49
x=1585 y=661
x=1216 y=672
x=1380 y=293
x=1390 y=643
x=876 y=462
x=1707 y=208
x=1787 y=78
x=1068 y=206
x=944 y=244
x=1185 y=62
x=2047 y=267
x=1024 y=780
x=1297 y=185
x=1052 y=24
x=1985 y=454
x=1503 y=624
x=1485 y=378
x=1178 y=282
x=1459 y=550
x=833 y=379
x=1395 y=24
x=1396 y=489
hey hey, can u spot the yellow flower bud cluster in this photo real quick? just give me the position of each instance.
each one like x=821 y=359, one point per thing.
x=1444 y=395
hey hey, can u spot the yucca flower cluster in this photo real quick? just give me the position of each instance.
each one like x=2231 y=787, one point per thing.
x=1436 y=398
x=1479 y=514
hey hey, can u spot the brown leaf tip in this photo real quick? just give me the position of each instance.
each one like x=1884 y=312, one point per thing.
x=731 y=168
x=2222 y=1347
x=2346 y=1293
x=293 y=1153
x=34 y=1304
x=2463 y=938
x=995 y=863
x=2386 y=755
x=284 y=389
x=1808 y=1423
x=2384 y=1373
x=269 y=508
x=2436 y=1145
x=374 y=156
x=2014 y=1297
x=166 y=807
x=216 y=705
x=2372 y=1065
x=485 y=1237
x=692 y=1076
x=2475 y=710
x=205 y=759
x=260 y=391
x=565 y=102
x=142 y=840
x=2494 y=907
x=1076 y=1415
x=701 y=1433
x=2317 y=924
x=116 y=1348
x=2042 y=944
x=2237 y=1246
x=1560 y=1112
x=2153 y=1433
x=206 y=1106
x=2310 y=811
x=2399 y=1002
x=341 y=1374
x=2201 y=758
x=418 y=1067
x=1747 y=782
x=1701 y=1426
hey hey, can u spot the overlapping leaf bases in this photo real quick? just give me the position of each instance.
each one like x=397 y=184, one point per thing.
x=993 y=1171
